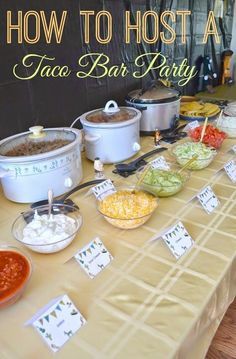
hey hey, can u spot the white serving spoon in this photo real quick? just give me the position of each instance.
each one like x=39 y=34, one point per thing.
x=50 y=202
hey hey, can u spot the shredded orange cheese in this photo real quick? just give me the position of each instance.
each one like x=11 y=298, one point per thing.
x=128 y=204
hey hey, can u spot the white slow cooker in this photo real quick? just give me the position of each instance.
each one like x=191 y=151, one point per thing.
x=112 y=133
x=35 y=161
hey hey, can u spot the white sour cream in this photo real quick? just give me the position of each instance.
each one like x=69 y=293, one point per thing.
x=43 y=234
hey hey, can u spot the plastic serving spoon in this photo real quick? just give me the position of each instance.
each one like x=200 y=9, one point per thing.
x=50 y=202
x=64 y=199
x=133 y=166
x=61 y=200
x=174 y=134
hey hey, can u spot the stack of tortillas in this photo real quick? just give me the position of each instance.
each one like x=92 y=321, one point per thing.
x=198 y=109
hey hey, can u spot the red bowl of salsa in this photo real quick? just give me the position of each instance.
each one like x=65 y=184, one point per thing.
x=15 y=272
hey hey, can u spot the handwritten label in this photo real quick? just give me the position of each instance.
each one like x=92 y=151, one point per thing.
x=178 y=240
x=57 y=322
x=159 y=163
x=191 y=126
x=103 y=189
x=93 y=258
x=230 y=169
x=208 y=199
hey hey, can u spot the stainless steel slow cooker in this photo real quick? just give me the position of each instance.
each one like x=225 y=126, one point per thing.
x=159 y=104
x=35 y=161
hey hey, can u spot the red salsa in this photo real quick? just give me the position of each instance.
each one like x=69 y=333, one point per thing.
x=14 y=272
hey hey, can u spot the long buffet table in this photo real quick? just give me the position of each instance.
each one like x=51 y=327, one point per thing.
x=145 y=304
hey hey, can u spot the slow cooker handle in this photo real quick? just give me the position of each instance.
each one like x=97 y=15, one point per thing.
x=92 y=139
x=111 y=107
x=6 y=173
x=36 y=132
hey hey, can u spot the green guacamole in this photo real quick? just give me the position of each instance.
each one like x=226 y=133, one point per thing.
x=162 y=183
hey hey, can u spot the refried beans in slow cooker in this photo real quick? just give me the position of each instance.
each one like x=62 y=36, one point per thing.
x=34 y=148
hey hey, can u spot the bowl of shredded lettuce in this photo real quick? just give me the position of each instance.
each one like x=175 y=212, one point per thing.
x=163 y=182
x=183 y=152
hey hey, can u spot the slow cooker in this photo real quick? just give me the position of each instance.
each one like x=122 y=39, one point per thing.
x=159 y=104
x=111 y=133
x=41 y=159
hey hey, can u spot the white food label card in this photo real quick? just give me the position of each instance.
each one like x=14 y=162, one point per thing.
x=57 y=322
x=159 y=163
x=103 y=189
x=233 y=149
x=93 y=258
x=230 y=169
x=178 y=240
x=191 y=126
x=208 y=199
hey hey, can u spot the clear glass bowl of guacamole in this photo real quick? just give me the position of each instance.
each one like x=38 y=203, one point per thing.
x=163 y=182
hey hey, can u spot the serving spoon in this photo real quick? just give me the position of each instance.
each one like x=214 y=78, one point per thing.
x=174 y=135
x=50 y=202
x=63 y=200
x=203 y=129
x=187 y=164
x=134 y=165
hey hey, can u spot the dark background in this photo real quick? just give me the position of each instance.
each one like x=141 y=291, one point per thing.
x=57 y=102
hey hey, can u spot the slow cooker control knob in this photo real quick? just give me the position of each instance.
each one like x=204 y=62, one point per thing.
x=68 y=183
x=136 y=146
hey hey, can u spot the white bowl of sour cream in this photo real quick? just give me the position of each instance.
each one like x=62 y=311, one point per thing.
x=47 y=234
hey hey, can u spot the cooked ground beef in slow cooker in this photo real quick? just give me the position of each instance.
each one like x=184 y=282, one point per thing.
x=105 y=118
x=33 y=148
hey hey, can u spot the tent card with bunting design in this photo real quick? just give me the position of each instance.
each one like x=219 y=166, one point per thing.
x=57 y=322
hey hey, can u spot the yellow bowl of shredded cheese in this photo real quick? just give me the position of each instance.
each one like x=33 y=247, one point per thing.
x=127 y=208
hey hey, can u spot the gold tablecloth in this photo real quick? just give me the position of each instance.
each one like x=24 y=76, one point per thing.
x=145 y=304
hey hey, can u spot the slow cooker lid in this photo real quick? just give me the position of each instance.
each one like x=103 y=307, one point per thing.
x=111 y=114
x=38 y=140
x=156 y=92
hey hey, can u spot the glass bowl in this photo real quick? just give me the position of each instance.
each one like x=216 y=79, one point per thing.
x=128 y=208
x=163 y=182
x=42 y=234
x=227 y=121
x=230 y=131
x=213 y=137
x=188 y=150
x=15 y=272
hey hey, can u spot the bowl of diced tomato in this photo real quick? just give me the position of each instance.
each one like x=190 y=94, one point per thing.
x=213 y=136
